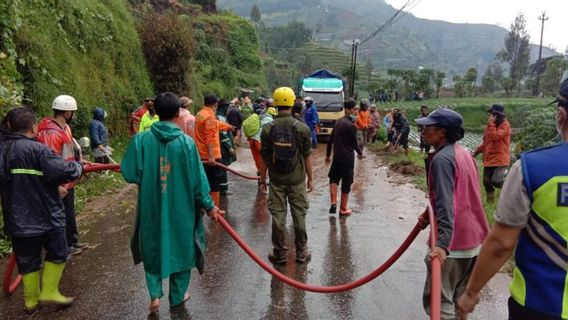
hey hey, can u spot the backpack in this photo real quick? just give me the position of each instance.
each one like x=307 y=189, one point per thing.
x=284 y=152
x=251 y=126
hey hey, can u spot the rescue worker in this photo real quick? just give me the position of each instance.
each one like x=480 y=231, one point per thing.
x=246 y=108
x=531 y=220
x=228 y=154
x=235 y=119
x=424 y=112
x=137 y=115
x=374 y=125
x=34 y=219
x=298 y=111
x=255 y=145
x=455 y=196
x=362 y=123
x=496 y=150
x=343 y=139
x=208 y=142
x=312 y=119
x=99 y=136
x=286 y=148
x=173 y=189
x=56 y=134
x=401 y=130
x=186 y=121
x=149 y=118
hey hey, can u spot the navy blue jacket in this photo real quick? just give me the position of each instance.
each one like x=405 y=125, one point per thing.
x=97 y=129
x=30 y=174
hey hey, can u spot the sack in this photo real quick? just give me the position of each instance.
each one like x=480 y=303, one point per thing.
x=284 y=150
x=251 y=126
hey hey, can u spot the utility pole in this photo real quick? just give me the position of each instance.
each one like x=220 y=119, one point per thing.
x=536 y=89
x=350 y=93
x=354 y=49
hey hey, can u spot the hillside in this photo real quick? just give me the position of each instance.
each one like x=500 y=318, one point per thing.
x=410 y=43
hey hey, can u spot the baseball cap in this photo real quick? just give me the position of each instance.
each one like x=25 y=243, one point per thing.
x=444 y=118
x=497 y=108
x=562 y=98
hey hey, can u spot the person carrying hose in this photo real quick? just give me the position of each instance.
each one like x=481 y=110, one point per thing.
x=455 y=197
x=531 y=220
x=34 y=215
x=173 y=190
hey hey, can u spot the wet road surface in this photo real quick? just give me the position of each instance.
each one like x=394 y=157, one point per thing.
x=107 y=285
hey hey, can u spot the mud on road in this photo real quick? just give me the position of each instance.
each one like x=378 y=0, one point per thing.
x=107 y=285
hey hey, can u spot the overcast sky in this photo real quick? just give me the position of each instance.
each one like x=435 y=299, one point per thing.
x=502 y=13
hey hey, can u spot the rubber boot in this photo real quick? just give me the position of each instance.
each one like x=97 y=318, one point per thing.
x=343 y=211
x=490 y=197
x=216 y=196
x=333 y=196
x=50 y=294
x=31 y=291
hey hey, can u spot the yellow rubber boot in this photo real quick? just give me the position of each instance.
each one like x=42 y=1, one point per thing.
x=31 y=291
x=50 y=294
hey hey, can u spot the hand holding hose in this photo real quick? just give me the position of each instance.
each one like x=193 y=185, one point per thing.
x=215 y=213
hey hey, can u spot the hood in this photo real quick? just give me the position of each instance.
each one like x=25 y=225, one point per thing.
x=99 y=114
x=166 y=131
x=48 y=124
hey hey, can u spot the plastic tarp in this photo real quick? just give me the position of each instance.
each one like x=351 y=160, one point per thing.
x=323 y=74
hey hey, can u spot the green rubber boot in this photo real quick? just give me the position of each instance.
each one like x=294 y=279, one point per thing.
x=50 y=294
x=31 y=291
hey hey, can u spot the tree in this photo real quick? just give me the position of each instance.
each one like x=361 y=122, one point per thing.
x=551 y=77
x=470 y=80
x=255 y=15
x=516 y=54
x=488 y=83
x=439 y=82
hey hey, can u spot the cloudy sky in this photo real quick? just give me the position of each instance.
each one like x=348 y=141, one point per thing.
x=502 y=13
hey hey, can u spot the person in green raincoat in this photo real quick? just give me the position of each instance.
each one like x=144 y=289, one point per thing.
x=228 y=154
x=173 y=190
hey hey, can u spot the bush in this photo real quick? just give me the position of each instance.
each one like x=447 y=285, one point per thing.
x=538 y=130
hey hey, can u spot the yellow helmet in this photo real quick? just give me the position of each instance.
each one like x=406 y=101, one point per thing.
x=272 y=111
x=284 y=97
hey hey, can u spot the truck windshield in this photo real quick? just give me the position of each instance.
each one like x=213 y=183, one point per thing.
x=327 y=101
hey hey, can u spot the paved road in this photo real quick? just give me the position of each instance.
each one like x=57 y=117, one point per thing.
x=108 y=286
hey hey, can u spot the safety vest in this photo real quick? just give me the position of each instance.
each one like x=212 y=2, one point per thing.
x=540 y=277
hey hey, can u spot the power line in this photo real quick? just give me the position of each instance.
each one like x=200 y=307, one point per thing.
x=410 y=4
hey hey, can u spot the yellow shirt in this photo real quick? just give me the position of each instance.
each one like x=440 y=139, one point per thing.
x=146 y=122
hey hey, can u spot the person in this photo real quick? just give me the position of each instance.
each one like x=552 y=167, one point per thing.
x=235 y=119
x=298 y=111
x=531 y=221
x=30 y=174
x=362 y=123
x=312 y=119
x=496 y=150
x=228 y=154
x=343 y=140
x=423 y=114
x=208 y=142
x=255 y=144
x=173 y=190
x=374 y=125
x=137 y=115
x=186 y=121
x=99 y=136
x=56 y=134
x=286 y=150
x=246 y=108
x=387 y=125
x=402 y=131
x=456 y=200
x=149 y=118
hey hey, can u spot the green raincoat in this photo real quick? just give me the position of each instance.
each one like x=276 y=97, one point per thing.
x=168 y=235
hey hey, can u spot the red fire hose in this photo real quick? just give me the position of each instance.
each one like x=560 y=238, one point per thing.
x=11 y=284
x=242 y=175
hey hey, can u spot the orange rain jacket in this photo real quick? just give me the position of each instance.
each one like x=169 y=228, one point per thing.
x=496 y=145
x=363 y=120
x=207 y=129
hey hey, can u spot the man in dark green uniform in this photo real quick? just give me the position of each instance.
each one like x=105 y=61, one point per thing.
x=286 y=148
x=228 y=154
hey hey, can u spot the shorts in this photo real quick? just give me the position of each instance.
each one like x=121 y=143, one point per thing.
x=214 y=177
x=28 y=250
x=341 y=172
x=518 y=312
x=403 y=138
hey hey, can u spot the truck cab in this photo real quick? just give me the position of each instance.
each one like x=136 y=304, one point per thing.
x=326 y=89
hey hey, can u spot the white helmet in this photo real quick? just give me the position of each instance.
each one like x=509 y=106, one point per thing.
x=64 y=103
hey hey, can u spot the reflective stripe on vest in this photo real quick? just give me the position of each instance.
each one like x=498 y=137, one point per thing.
x=540 y=280
x=27 y=171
